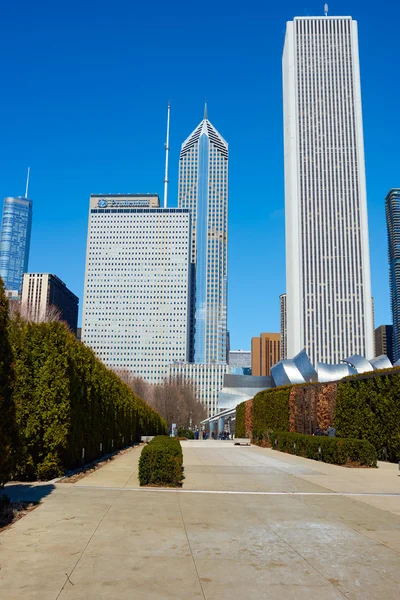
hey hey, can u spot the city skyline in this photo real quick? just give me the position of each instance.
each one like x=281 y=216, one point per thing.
x=65 y=172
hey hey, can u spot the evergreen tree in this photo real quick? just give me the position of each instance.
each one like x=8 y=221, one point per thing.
x=7 y=408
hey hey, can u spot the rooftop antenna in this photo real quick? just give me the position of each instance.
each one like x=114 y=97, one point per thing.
x=326 y=10
x=27 y=182
x=166 y=157
x=205 y=110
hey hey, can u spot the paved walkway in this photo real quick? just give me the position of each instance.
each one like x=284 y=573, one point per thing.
x=248 y=523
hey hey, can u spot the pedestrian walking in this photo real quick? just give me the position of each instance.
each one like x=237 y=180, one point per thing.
x=331 y=431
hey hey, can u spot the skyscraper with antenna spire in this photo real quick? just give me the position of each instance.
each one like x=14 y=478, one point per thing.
x=203 y=189
x=15 y=237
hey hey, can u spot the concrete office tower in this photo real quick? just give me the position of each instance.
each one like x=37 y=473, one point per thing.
x=203 y=189
x=329 y=311
x=384 y=341
x=283 y=317
x=42 y=292
x=15 y=238
x=392 y=204
x=136 y=301
x=265 y=353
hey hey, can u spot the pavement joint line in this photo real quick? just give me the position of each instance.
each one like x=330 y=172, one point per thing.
x=237 y=492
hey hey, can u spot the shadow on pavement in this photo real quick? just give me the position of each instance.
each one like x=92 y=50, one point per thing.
x=28 y=492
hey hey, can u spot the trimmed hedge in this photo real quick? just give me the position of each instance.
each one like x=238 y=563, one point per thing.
x=240 y=430
x=337 y=451
x=67 y=401
x=8 y=429
x=161 y=462
x=270 y=410
x=186 y=433
x=368 y=407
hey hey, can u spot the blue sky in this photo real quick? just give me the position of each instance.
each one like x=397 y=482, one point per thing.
x=85 y=87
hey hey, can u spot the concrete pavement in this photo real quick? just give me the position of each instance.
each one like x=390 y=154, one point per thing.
x=296 y=533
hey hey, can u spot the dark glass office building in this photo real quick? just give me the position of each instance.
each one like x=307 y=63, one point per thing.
x=393 y=226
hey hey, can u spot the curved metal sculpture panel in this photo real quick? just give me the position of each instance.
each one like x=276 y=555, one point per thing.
x=360 y=364
x=303 y=363
x=285 y=372
x=300 y=370
x=381 y=362
x=328 y=373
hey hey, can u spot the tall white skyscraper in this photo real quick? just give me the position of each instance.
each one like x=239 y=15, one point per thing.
x=137 y=284
x=329 y=309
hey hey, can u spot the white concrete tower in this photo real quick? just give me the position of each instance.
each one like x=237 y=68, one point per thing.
x=329 y=309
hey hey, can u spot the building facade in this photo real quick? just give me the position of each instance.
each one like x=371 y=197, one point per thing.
x=240 y=359
x=15 y=239
x=283 y=319
x=44 y=292
x=208 y=380
x=329 y=311
x=203 y=190
x=384 y=341
x=137 y=284
x=392 y=204
x=265 y=353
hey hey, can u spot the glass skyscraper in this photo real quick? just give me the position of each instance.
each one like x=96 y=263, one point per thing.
x=15 y=240
x=393 y=225
x=203 y=189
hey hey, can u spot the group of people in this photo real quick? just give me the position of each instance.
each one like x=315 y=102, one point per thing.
x=330 y=432
x=223 y=435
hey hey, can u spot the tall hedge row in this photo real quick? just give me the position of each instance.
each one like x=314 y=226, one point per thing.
x=271 y=411
x=365 y=406
x=7 y=408
x=368 y=407
x=70 y=407
x=240 y=431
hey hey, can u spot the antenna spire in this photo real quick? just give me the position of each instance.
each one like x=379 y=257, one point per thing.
x=326 y=10
x=205 y=111
x=27 y=182
x=166 y=157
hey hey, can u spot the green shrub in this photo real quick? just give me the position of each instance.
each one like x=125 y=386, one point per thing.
x=271 y=411
x=186 y=433
x=337 y=451
x=161 y=462
x=8 y=427
x=67 y=401
x=368 y=407
x=240 y=430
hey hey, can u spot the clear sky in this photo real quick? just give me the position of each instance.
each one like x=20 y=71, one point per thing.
x=85 y=87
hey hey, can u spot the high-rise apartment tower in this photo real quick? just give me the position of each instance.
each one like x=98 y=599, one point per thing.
x=43 y=292
x=15 y=238
x=265 y=353
x=392 y=203
x=329 y=310
x=203 y=189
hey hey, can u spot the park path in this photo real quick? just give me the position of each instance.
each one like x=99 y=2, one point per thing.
x=248 y=522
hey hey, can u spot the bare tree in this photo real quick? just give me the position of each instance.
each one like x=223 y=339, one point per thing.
x=30 y=314
x=139 y=386
x=175 y=399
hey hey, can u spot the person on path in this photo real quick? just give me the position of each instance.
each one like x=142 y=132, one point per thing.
x=318 y=431
x=331 y=431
